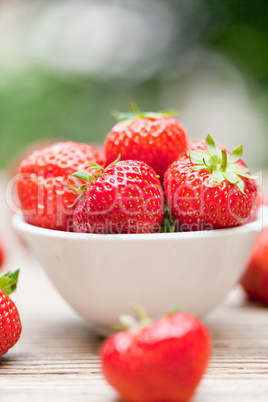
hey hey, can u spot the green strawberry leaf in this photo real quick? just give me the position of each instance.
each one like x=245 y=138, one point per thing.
x=210 y=167
x=235 y=155
x=171 y=112
x=121 y=116
x=83 y=175
x=8 y=281
x=241 y=185
x=218 y=176
x=93 y=166
x=126 y=320
x=4 y=281
x=197 y=157
x=231 y=177
x=211 y=145
x=247 y=175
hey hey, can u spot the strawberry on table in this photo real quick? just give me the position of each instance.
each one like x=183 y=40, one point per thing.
x=155 y=138
x=210 y=189
x=43 y=188
x=125 y=197
x=10 y=325
x=155 y=361
x=255 y=279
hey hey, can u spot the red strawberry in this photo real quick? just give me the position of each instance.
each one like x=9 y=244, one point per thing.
x=126 y=197
x=155 y=361
x=154 y=138
x=255 y=279
x=10 y=325
x=208 y=191
x=43 y=187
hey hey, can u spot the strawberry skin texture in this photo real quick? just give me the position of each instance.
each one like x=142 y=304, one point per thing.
x=127 y=198
x=163 y=362
x=43 y=188
x=255 y=279
x=10 y=324
x=198 y=207
x=156 y=141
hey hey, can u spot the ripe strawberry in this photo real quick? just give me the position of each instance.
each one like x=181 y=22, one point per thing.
x=210 y=189
x=255 y=279
x=155 y=361
x=154 y=138
x=43 y=187
x=10 y=325
x=126 y=197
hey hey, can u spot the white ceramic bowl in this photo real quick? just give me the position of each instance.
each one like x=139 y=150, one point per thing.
x=102 y=276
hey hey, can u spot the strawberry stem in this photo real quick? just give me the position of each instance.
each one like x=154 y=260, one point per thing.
x=224 y=160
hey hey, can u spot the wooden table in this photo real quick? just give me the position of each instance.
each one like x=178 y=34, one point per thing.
x=57 y=355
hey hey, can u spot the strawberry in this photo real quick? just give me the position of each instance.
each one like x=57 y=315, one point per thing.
x=10 y=325
x=154 y=138
x=210 y=189
x=125 y=197
x=43 y=187
x=255 y=279
x=155 y=361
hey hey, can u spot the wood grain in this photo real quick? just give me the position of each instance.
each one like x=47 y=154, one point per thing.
x=57 y=355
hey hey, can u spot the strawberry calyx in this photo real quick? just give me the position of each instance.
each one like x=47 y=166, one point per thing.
x=8 y=281
x=135 y=113
x=84 y=175
x=129 y=323
x=222 y=165
x=132 y=325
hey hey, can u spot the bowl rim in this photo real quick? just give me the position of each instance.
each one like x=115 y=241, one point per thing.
x=257 y=226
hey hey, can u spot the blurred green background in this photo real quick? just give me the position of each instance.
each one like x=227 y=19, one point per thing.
x=64 y=65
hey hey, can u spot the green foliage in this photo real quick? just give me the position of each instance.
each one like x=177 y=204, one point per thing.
x=39 y=105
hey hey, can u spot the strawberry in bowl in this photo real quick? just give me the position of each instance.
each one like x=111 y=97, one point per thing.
x=124 y=197
x=210 y=188
x=156 y=138
x=43 y=190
